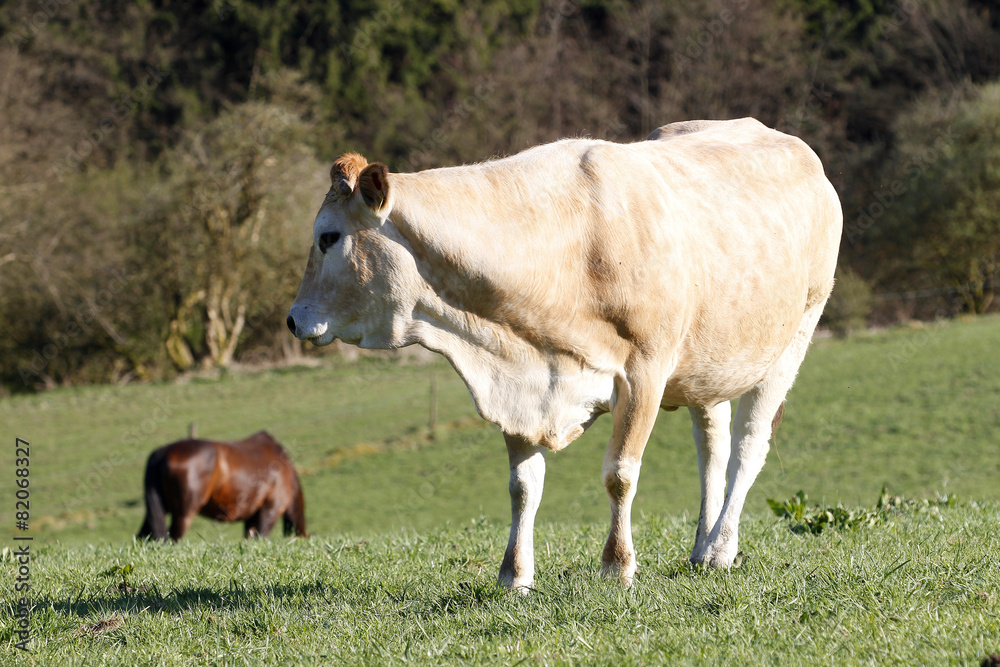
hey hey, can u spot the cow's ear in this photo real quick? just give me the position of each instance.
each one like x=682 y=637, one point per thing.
x=345 y=171
x=373 y=188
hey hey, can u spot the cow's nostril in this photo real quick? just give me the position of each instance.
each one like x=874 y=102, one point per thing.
x=291 y=323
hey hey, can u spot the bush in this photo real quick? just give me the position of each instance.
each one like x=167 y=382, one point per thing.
x=849 y=304
x=941 y=226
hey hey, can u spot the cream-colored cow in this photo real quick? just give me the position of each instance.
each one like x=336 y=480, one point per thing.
x=584 y=277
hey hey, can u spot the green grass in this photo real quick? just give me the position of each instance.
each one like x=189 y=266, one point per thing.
x=922 y=589
x=915 y=408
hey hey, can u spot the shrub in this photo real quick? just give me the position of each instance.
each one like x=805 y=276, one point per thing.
x=941 y=222
x=849 y=304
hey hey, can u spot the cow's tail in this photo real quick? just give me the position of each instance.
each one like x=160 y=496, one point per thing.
x=778 y=416
x=155 y=523
x=294 y=518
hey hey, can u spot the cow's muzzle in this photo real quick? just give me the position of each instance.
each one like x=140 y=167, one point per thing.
x=304 y=327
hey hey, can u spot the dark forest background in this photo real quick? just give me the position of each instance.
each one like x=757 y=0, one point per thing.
x=161 y=162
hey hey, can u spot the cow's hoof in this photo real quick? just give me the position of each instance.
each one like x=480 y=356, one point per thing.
x=520 y=589
x=715 y=558
x=522 y=585
x=624 y=575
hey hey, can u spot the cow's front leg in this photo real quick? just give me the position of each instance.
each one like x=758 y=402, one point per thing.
x=710 y=427
x=634 y=415
x=527 y=475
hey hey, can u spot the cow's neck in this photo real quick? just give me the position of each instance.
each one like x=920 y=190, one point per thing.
x=547 y=397
x=526 y=387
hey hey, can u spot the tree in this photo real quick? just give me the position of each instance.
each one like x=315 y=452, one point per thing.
x=219 y=245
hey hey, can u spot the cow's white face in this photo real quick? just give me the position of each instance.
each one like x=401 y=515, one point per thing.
x=351 y=287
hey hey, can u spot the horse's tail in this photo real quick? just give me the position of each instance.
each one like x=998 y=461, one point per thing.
x=155 y=523
x=295 y=516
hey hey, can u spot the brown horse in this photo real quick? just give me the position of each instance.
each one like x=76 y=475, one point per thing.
x=252 y=481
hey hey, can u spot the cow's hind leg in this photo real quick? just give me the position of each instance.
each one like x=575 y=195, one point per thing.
x=527 y=476
x=751 y=434
x=710 y=427
x=634 y=416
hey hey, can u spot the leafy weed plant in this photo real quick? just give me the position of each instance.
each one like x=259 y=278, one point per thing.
x=816 y=518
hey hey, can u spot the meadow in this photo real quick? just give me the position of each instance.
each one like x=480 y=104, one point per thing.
x=408 y=524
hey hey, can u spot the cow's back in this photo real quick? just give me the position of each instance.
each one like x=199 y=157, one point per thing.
x=615 y=229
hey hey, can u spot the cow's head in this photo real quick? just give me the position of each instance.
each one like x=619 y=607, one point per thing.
x=351 y=287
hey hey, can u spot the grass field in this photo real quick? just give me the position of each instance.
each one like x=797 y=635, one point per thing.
x=409 y=530
x=922 y=590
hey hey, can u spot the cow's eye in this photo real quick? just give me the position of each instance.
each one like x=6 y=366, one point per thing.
x=327 y=239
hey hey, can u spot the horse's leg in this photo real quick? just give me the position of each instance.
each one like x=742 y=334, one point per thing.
x=295 y=515
x=268 y=517
x=179 y=524
x=189 y=490
x=250 y=527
